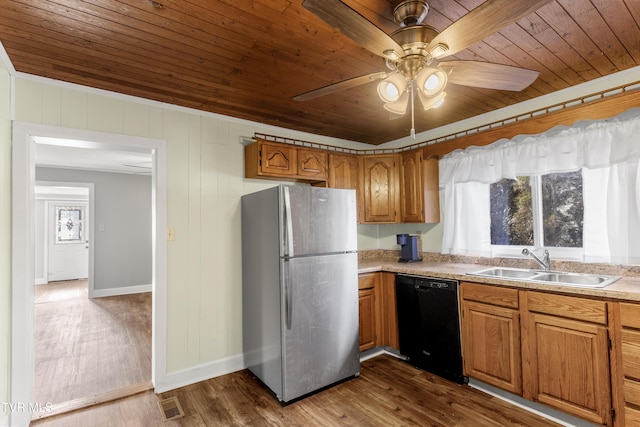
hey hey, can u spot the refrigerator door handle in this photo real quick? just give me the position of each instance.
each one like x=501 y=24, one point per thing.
x=288 y=228
x=288 y=304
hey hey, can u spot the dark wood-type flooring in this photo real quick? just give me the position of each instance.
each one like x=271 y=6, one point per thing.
x=388 y=393
x=85 y=347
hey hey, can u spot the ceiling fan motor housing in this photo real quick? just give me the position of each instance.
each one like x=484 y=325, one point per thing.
x=410 y=12
x=414 y=40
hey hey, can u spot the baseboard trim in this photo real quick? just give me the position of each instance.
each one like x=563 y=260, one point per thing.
x=199 y=373
x=125 y=290
x=536 y=408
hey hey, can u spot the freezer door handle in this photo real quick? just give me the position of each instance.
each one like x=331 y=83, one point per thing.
x=288 y=227
x=287 y=294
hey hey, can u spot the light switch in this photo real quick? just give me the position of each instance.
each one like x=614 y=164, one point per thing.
x=171 y=234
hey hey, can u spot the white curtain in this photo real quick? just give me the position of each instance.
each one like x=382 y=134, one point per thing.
x=607 y=151
x=468 y=232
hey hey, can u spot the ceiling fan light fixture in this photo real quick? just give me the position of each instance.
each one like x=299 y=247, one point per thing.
x=431 y=81
x=400 y=106
x=392 y=88
x=432 y=102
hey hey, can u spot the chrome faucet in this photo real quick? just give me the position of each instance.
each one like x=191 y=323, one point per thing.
x=545 y=262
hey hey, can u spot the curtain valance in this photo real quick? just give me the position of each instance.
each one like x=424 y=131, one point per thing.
x=562 y=149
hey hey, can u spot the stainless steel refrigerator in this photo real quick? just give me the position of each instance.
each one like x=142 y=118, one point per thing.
x=300 y=288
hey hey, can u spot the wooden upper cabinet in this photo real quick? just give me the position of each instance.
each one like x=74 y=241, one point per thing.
x=411 y=187
x=390 y=187
x=380 y=188
x=312 y=163
x=278 y=159
x=343 y=171
x=274 y=160
x=419 y=194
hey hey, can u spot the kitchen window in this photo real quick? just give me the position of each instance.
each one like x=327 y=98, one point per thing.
x=598 y=160
x=538 y=211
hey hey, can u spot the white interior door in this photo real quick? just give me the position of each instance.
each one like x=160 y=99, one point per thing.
x=68 y=251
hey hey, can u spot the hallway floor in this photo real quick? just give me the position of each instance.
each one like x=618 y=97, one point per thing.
x=85 y=347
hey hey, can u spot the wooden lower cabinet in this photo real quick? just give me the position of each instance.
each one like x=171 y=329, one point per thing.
x=549 y=348
x=569 y=367
x=626 y=379
x=566 y=355
x=389 y=314
x=369 y=311
x=491 y=335
x=377 y=310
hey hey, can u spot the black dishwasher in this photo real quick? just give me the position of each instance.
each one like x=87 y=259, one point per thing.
x=429 y=325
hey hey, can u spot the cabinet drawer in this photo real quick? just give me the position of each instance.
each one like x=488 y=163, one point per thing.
x=494 y=295
x=631 y=354
x=366 y=281
x=632 y=417
x=632 y=392
x=576 y=308
x=630 y=315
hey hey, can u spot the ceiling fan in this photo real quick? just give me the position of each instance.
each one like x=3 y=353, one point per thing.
x=413 y=53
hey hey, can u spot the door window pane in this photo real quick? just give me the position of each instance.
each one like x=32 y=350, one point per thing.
x=69 y=227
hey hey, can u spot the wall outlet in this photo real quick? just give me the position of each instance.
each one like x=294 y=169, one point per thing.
x=171 y=234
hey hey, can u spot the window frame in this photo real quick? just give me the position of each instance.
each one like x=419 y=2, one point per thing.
x=563 y=253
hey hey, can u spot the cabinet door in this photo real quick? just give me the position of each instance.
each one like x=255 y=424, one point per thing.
x=366 y=308
x=277 y=159
x=411 y=195
x=380 y=188
x=569 y=366
x=491 y=345
x=312 y=163
x=431 y=190
x=344 y=173
x=389 y=315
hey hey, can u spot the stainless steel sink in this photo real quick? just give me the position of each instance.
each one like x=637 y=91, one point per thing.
x=575 y=279
x=550 y=277
x=510 y=273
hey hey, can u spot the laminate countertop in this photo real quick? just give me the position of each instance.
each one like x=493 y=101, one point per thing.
x=626 y=288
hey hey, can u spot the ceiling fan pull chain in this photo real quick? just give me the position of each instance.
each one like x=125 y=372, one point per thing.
x=413 y=117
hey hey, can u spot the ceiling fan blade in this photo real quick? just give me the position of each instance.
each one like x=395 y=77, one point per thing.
x=488 y=75
x=353 y=25
x=335 y=87
x=486 y=19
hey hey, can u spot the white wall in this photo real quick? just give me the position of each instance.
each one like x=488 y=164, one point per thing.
x=122 y=240
x=205 y=181
x=5 y=241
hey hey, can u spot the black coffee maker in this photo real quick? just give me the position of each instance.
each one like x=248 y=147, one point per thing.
x=408 y=248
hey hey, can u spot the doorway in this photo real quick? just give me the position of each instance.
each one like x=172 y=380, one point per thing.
x=23 y=245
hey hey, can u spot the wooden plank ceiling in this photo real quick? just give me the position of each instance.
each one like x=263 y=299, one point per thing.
x=248 y=58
